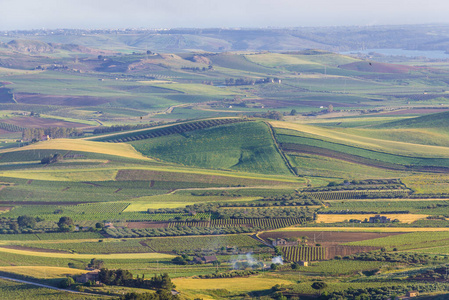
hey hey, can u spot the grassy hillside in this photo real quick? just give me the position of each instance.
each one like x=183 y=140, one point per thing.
x=438 y=121
x=243 y=147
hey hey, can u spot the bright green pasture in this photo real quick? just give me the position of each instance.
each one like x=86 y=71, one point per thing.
x=242 y=147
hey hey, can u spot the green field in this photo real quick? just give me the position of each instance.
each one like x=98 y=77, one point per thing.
x=207 y=150
x=225 y=147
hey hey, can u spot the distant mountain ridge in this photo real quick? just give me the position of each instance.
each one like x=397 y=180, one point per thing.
x=411 y=37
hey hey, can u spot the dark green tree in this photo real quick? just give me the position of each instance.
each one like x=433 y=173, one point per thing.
x=319 y=285
x=26 y=221
x=66 y=224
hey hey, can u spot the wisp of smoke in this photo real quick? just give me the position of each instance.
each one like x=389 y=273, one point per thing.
x=277 y=260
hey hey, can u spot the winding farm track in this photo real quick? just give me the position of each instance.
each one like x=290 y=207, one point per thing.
x=48 y=286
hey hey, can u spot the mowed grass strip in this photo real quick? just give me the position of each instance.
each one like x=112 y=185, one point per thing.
x=124 y=150
x=334 y=218
x=43 y=272
x=231 y=284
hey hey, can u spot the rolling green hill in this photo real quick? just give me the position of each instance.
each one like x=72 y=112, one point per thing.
x=244 y=146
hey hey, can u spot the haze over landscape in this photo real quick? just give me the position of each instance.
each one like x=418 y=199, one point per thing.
x=102 y=14
x=186 y=150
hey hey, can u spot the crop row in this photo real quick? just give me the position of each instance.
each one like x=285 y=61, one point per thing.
x=304 y=253
x=202 y=243
x=127 y=246
x=98 y=208
x=263 y=223
x=188 y=224
x=180 y=128
x=175 y=231
x=11 y=127
x=341 y=195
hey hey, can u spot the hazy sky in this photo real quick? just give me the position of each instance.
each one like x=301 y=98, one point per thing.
x=50 y=14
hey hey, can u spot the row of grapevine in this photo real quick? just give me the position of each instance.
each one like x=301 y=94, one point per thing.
x=11 y=127
x=263 y=223
x=180 y=128
x=189 y=224
x=304 y=253
x=342 y=195
x=103 y=209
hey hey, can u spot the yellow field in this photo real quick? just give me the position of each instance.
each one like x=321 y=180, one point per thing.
x=340 y=136
x=275 y=59
x=88 y=256
x=404 y=218
x=118 y=149
x=8 y=71
x=361 y=229
x=42 y=271
x=64 y=175
x=197 y=89
x=231 y=284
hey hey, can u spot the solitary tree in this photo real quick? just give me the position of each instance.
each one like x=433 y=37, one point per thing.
x=319 y=285
x=66 y=224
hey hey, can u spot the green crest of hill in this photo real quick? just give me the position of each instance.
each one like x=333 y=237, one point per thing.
x=438 y=121
x=246 y=146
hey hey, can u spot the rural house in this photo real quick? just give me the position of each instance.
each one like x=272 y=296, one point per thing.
x=89 y=276
x=379 y=219
x=283 y=242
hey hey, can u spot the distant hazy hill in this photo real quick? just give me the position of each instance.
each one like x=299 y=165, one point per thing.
x=412 y=37
x=36 y=46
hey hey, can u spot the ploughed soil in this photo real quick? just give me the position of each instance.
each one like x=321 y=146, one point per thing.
x=35 y=122
x=34 y=249
x=34 y=98
x=376 y=67
x=139 y=225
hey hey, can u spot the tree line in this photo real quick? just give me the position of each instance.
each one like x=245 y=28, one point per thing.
x=36 y=134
